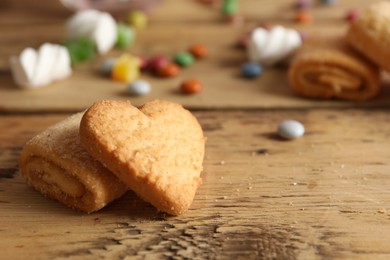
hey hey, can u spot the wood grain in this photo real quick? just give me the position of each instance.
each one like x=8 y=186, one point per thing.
x=324 y=195
x=173 y=28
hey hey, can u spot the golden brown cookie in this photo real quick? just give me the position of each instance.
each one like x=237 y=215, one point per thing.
x=156 y=150
x=55 y=163
x=333 y=73
x=370 y=34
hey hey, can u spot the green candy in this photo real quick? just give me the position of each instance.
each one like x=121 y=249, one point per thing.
x=184 y=59
x=80 y=49
x=125 y=36
x=229 y=7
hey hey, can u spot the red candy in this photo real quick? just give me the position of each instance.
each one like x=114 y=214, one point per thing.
x=143 y=63
x=352 y=15
x=158 y=62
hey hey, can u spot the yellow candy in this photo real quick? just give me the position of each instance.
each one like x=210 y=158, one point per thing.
x=138 y=19
x=126 y=69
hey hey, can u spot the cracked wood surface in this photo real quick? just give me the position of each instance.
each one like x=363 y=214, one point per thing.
x=324 y=195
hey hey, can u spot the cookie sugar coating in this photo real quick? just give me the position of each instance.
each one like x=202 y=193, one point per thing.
x=156 y=150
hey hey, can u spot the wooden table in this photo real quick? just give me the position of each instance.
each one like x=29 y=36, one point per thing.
x=325 y=195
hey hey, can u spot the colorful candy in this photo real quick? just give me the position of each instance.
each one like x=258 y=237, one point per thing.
x=191 y=86
x=169 y=70
x=352 y=15
x=107 y=65
x=303 y=17
x=139 y=88
x=302 y=4
x=125 y=36
x=143 y=63
x=329 y=2
x=138 y=19
x=236 y=20
x=251 y=70
x=157 y=62
x=243 y=41
x=198 y=50
x=184 y=59
x=291 y=129
x=229 y=7
x=80 y=49
x=126 y=68
x=209 y=2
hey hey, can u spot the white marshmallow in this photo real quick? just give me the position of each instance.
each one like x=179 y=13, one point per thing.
x=45 y=62
x=99 y=27
x=23 y=67
x=34 y=69
x=62 y=68
x=271 y=47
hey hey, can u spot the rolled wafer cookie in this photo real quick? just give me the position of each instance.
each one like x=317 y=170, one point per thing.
x=370 y=34
x=326 y=73
x=157 y=150
x=55 y=163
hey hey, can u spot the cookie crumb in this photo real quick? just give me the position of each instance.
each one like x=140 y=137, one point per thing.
x=382 y=211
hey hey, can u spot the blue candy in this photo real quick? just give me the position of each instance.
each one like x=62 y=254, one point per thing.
x=107 y=66
x=139 y=88
x=329 y=2
x=251 y=70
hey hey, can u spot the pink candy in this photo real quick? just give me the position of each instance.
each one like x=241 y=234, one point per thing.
x=352 y=15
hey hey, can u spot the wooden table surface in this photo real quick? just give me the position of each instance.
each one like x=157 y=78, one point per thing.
x=325 y=195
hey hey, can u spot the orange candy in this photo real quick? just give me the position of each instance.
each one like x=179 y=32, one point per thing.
x=169 y=70
x=191 y=86
x=303 y=17
x=198 y=50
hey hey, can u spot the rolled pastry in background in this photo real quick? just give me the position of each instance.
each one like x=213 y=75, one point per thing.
x=370 y=34
x=325 y=73
x=55 y=164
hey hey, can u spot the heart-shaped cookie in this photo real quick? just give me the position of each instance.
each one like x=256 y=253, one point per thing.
x=156 y=150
